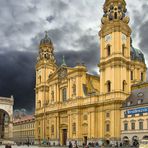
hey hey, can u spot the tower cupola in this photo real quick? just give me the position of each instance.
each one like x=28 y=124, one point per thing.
x=46 y=50
x=46 y=40
x=115 y=10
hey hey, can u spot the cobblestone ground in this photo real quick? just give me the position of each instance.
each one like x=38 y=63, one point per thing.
x=29 y=147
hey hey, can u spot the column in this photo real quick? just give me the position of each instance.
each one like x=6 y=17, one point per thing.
x=58 y=127
x=93 y=127
x=69 y=126
x=57 y=97
x=68 y=89
x=89 y=125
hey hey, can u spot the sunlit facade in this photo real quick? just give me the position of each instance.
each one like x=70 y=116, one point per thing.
x=71 y=104
x=134 y=115
x=23 y=129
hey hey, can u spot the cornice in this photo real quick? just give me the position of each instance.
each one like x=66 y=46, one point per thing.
x=115 y=26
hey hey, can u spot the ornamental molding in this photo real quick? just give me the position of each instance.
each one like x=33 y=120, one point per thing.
x=115 y=26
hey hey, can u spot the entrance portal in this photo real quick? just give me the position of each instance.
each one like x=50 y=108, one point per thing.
x=4 y=121
x=64 y=136
x=6 y=113
x=85 y=140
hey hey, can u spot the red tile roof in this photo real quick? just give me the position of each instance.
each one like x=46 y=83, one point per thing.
x=26 y=118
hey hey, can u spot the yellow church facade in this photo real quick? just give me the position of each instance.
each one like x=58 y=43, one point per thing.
x=71 y=104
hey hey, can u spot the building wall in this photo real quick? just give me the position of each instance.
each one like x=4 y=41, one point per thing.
x=23 y=130
x=135 y=118
x=91 y=111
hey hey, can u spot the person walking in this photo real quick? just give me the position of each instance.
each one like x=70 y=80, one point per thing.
x=70 y=144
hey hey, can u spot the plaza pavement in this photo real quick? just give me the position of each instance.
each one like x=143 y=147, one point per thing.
x=22 y=146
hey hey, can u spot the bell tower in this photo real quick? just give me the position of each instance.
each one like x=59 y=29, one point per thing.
x=115 y=84
x=115 y=49
x=46 y=65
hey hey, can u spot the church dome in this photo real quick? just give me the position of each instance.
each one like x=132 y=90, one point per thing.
x=137 y=54
x=46 y=40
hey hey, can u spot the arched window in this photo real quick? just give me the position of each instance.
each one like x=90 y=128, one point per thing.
x=123 y=50
x=64 y=94
x=124 y=85
x=115 y=15
x=108 y=86
x=141 y=76
x=108 y=50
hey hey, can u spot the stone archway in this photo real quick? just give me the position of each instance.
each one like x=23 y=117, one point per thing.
x=135 y=141
x=6 y=117
x=125 y=141
x=145 y=137
x=4 y=123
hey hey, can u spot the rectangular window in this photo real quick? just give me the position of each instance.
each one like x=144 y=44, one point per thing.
x=140 y=114
x=108 y=127
x=74 y=128
x=131 y=75
x=64 y=94
x=107 y=115
x=125 y=126
x=52 y=129
x=141 y=76
x=140 y=125
x=132 y=126
x=125 y=115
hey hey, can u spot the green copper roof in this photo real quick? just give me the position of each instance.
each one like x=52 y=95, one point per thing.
x=63 y=61
x=137 y=54
x=46 y=39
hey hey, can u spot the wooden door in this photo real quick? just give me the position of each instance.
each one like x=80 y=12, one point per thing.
x=64 y=136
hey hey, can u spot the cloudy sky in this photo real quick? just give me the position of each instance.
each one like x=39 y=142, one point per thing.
x=72 y=25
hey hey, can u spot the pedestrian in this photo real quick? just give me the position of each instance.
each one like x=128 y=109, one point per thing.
x=120 y=144
x=97 y=145
x=75 y=145
x=7 y=146
x=70 y=144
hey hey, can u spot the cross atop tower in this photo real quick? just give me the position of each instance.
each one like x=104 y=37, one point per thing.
x=46 y=34
x=63 y=61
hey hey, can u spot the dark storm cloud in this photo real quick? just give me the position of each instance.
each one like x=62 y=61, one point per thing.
x=140 y=27
x=89 y=56
x=50 y=18
x=143 y=31
x=17 y=72
x=17 y=77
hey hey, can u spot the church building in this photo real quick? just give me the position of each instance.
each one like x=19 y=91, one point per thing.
x=73 y=105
